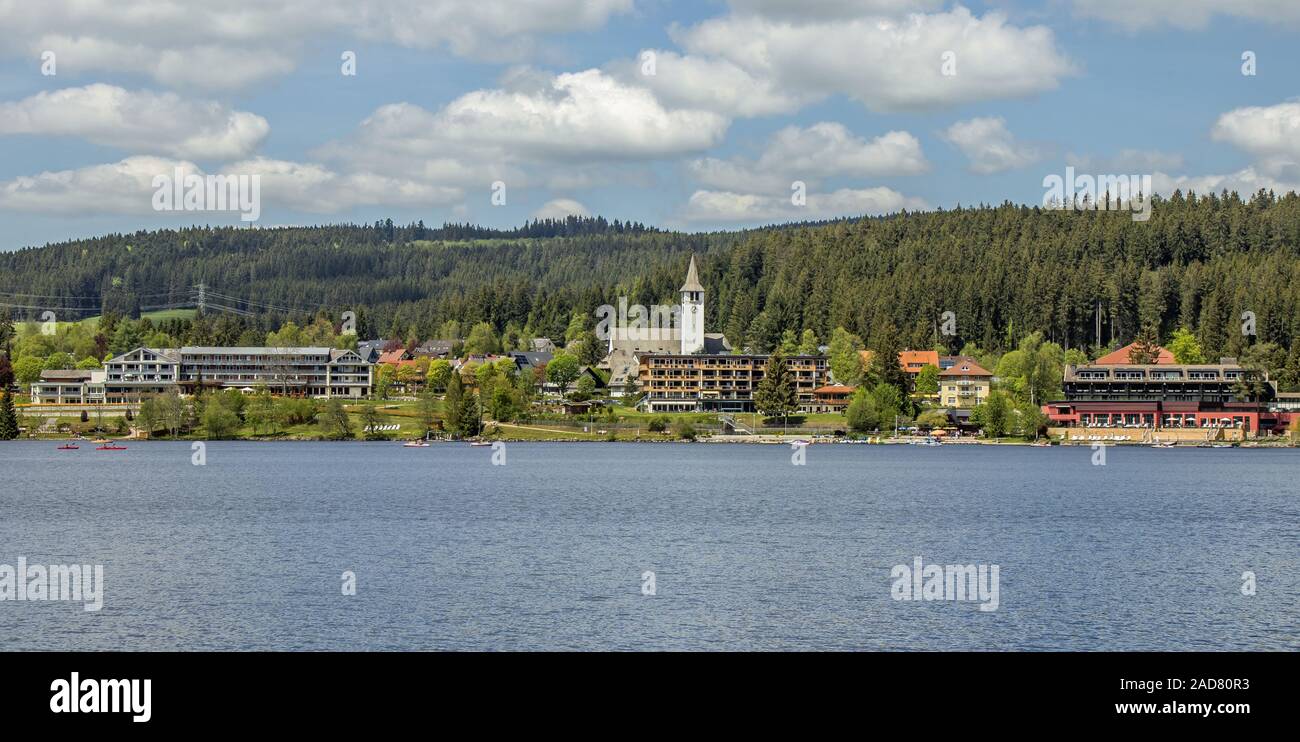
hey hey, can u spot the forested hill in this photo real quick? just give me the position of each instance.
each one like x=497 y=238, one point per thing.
x=1003 y=271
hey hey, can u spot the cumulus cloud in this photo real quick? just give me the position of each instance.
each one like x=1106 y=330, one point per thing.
x=140 y=122
x=1264 y=131
x=128 y=187
x=124 y=187
x=1245 y=182
x=709 y=84
x=560 y=208
x=1127 y=161
x=315 y=188
x=812 y=153
x=885 y=63
x=580 y=114
x=1186 y=14
x=830 y=8
x=575 y=120
x=234 y=43
x=750 y=208
x=1271 y=134
x=990 y=147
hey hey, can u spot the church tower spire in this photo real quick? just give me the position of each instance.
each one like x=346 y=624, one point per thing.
x=692 y=317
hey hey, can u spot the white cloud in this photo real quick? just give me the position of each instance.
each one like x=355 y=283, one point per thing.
x=124 y=187
x=1264 y=131
x=567 y=131
x=233 y=43
x=1137 y=161
x=1270 y=133
x=560 y=208
x=137 y=121
x=315 y=188
x=579 y=115
x=819 y=151
x=749 y=208
x=830 y=8
x=989 y=146
x=127 y=187
x=1245 y=182
x=710 y=84
x=1186 y=14
x=886 y=63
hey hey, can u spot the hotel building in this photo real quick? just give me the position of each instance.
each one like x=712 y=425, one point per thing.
x=721 y=383
x=1163 y=396
x=143 y=372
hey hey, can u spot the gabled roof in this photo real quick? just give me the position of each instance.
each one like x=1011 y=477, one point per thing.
x=692 y=278
x=966 y=367
x=1120 y=356
x=337 y=355
x=915 y=360
x=166 y=354
x=392 y=356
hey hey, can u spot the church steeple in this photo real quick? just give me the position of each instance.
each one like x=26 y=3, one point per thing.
x=692 y=316
x=692 y=279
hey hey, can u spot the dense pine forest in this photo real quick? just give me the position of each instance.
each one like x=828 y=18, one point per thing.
x=1004 y=272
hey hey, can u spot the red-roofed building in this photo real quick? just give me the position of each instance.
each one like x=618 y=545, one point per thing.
x=393 y=356
x=913 y=361
x=1120 y=357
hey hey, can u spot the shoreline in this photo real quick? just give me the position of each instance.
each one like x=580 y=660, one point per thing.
x=730 y=440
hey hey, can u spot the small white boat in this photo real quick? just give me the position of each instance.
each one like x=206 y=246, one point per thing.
x=927 y=442
x=416 y=444
x=480 y=443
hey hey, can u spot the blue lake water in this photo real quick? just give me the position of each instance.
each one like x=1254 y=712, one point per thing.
x=748 y=551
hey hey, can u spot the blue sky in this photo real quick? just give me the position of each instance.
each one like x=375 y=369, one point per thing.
x=552 y=98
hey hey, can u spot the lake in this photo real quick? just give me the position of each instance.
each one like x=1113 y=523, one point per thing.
x=551 y=550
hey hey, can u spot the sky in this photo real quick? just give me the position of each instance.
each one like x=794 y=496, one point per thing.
x=695 y=115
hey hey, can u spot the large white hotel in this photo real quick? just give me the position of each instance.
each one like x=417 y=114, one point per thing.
x=143 y=372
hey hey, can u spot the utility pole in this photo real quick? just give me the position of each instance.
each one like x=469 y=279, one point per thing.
x=203 y=298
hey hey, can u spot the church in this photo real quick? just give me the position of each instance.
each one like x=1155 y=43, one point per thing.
x=686 y=336
x=686 y=369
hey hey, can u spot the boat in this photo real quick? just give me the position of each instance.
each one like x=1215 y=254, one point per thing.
x=69 y=447
x=101 y=440
x=111 y=447
x=1166 y=444
x=1042 y=444
x=480 y=443
x=927 y=442
x=415 y=444
x=800 y=442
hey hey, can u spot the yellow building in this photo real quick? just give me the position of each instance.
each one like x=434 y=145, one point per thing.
x=964 y=384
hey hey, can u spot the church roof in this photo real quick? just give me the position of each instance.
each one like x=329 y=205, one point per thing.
x=692 y=278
